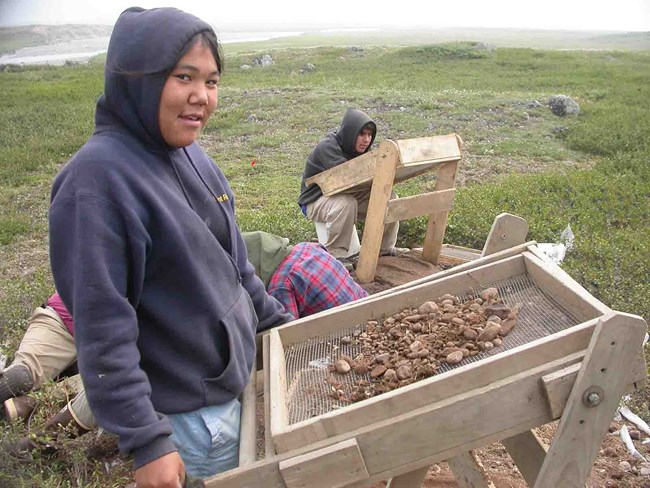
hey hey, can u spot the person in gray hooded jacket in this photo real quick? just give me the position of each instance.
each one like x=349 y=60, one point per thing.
x=340 y=212
x=148 y=258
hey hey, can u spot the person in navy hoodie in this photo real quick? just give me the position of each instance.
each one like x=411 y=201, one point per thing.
x=148 y=258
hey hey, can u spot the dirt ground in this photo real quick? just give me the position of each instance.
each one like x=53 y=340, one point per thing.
x=614 y=466
x=393 y=271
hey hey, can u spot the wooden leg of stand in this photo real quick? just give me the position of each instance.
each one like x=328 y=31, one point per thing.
x=414 y=479
x=469 y=471
x=438 y=222
x=528 y=453
x=605 y=373
x=373 y=230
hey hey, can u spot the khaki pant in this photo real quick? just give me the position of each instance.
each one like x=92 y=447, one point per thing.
x=341 y=212
x=47 y=349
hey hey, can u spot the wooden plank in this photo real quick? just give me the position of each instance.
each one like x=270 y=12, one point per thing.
x=277 y=380
x=528 y=452
x=297 y=435
x=426 y=203
x=331 y=467
x=438 y=221
x=347 y=175
x=412 y=479
x=595 y=396
x=375 y=306
x=507 y=230
x=269 y=448
x=266 y=472
x=248 y=427
x=558 y=386
x=453 y=422
x=455 y=255
x=259 y=382
x=564 y=289
x=640 y=372
x=423 y=149
x=427 y=435
x=373 y=229
x=424 y=155
x=469 y=471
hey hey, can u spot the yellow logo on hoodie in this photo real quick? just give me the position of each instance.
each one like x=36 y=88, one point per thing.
x=222 y=198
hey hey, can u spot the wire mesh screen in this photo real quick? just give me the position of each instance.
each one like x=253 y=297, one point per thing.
x=309 y=379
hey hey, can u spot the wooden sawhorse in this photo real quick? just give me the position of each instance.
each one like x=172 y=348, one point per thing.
x=392 y=162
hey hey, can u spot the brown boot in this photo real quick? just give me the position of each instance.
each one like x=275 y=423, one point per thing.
x=19 y=408
x=47 y=439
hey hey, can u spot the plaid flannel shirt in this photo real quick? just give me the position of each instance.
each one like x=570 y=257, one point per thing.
x=310 y=280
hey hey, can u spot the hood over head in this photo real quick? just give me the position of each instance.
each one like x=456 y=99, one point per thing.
x=144 y=47
x=353 y=121
x=265 y=252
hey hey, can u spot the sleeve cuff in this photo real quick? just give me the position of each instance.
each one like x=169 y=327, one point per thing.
x=156 y=449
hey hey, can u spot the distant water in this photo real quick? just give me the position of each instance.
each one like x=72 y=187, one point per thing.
x=84 y=49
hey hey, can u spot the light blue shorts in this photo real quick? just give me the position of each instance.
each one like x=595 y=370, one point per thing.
x=208 y=439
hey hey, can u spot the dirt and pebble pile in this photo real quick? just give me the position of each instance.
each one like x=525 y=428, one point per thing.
x=412 y=344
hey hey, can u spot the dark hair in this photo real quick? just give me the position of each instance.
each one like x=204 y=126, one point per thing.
x=208 y=39
x=369 y=125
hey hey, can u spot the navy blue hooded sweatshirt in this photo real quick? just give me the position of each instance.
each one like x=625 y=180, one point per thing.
x=334 y=149
x=147 y=256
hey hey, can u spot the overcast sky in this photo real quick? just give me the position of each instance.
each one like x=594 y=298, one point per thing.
x=628 y=15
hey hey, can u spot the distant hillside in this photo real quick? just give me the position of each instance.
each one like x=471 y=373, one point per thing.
x=14 y=38
x=515 y=38
x=519 y=38
x=633 y=40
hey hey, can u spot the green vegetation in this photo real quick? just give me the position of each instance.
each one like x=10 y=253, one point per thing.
x=589 y=171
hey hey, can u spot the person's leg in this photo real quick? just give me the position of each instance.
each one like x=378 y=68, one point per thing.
x=73 y=420
x=47 y=348
x=208 y=439
x=339 y=212
x=15 y=381
x=80 y=411
x=18 y=408
x=21 y=407
x=390 y=230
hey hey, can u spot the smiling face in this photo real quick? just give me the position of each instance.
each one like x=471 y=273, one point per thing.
x=189 y=96
x=363 y=140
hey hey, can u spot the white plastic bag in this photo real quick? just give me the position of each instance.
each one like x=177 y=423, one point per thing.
x=555 y=252
x=567 y=237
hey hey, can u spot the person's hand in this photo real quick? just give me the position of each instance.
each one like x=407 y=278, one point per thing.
x=167 y=471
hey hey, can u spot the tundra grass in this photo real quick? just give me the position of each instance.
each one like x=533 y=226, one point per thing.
x=589 y=171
